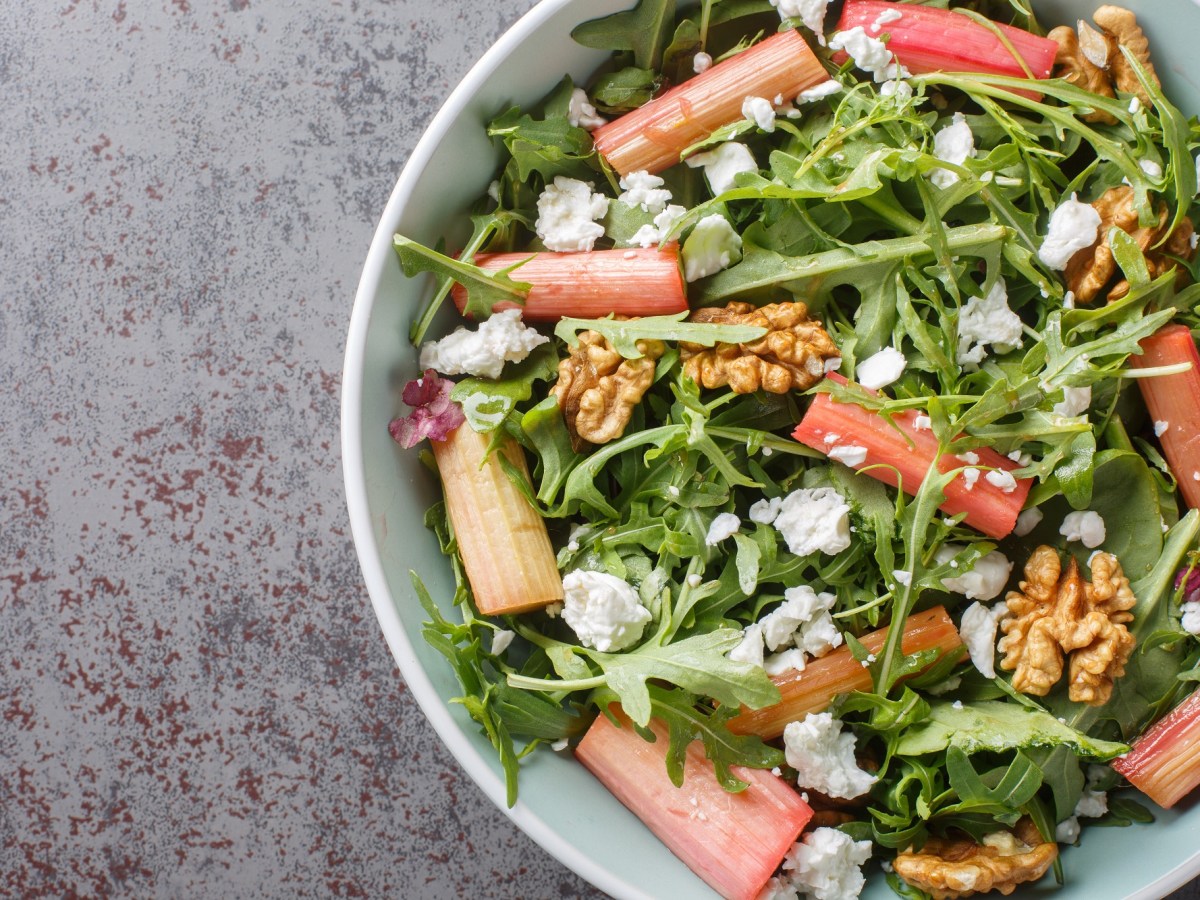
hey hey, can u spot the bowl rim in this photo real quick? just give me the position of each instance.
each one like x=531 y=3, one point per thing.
x=362 y=533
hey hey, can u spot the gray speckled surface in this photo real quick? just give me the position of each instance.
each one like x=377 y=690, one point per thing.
x=196 y=700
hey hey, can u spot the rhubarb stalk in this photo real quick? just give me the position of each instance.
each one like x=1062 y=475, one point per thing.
x=502 y=540
x=654 y=136
x=812 y=689
x=1164 y=763
x=1174 y=404
x=901 y=454
x=590 y=285
x=735 y=842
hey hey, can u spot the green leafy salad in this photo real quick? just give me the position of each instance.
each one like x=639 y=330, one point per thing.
x=836 y=432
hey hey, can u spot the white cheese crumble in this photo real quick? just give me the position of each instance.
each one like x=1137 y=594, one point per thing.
x=880 y=369
x=987 y=321
x=788 y=660
x=1160 y=427
x=1092 y=804
x=1067 y=831
x=813 y=520
x=802 y=609
x=922 y=423
x=501 y=639
x=760 y=111
x=1075 y=402
x=1150 y=167
x=723 y=526
x=580 y=113
x=826 y=865
x=885 y=18
x=970 y=475
x=1190 y=621
x=849 y=455
x=500 y=338
x=971 y=458
x=810 y=12
x=1028 y=520
x=869 y=54
x=648 y=234
x=764 y=511
x=1002 y=479
x=750 y=650
x=1086 y=527
x=823 y=757
x=712 y=246
x=723 y=163
x=642 y=189
x=1073 y=226
x=566 y=210
x=603 y=610
x=819 y=91
x=983 y=581
x=978 y=631
x=701 y=63
x=954 y=143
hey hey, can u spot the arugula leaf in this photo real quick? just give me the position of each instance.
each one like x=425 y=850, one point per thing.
x=486 y=402
x=643 y=30
x=484 y=289
x=624 y=334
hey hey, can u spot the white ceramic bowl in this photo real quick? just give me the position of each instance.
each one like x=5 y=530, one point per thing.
x=561 y=806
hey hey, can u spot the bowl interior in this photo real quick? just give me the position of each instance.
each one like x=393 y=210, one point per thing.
x=561 y=806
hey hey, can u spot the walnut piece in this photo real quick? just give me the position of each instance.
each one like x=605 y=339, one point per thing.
x=790 y=356
x=1093 y=60
x=1089 y=271
x=1056 y=613
x=952 y=867
x=597 y=388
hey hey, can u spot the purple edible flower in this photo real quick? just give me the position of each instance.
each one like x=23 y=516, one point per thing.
x=434 y=414
x=1191 y=591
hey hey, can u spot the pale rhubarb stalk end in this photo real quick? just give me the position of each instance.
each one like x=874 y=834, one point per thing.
x=902 y=454
x=838 y=672
x=590 y=285
x=928 y=39
x=502 y=540
x=654 y=136
x=1164 y=763
x=735 y=842
x=1175 y=401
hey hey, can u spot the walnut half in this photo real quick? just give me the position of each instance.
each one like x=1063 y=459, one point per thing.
x=949 y=867
x=790 y=356
x=1092 y=59
x=1056 y=613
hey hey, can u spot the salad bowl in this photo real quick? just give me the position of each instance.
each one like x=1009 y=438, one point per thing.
x=561 y=805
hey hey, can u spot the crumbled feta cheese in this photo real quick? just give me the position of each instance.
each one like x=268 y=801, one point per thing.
x=500 y=338
x=1027 y=521
x=560 y=745
x=957 y=704
x=954 y=143
x=723 y=526
x=978 y=631
x=1067 y=831
x=750 y=650
x=819 y=636
x=701 y=62
x=494 y=191
x=826 y=865
x=712 y=246
x=819 y=91
x=801 y=607
x=1086 y=527
x=869 y=54
x=831 y=437
x=777 y=888
x=1092 y=804
x=1075 y=401
x=603 y=610
x=788 y=660
x=1135 y=104
x=971 y=458
x=1190 y=619
x=1151 y=168
x=902 y=576
x=760 y=111
x=885 y=18
x=813 y=520
x=899 y=91
x=648 y=235
x=695 y=580
x=501 y=638
x=764 y=511
x=984 y=581
x=880 y=369
x=970 y=475
x=566 y=210
x=1073 y=226
x=1002 y=479
x=922 y=423
x=1160 y=427
x=810 y=12
x=642 y=189
x=723 y=163
x=849 y=455
x=580 y=113
x=987 y=321
x=823 y=757
x=1021 y=459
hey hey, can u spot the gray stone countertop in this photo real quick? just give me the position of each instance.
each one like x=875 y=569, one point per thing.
x=196 y=699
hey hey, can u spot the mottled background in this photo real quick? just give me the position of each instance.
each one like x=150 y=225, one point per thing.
x=196 y=700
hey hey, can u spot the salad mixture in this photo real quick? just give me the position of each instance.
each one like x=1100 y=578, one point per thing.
x=821 y=445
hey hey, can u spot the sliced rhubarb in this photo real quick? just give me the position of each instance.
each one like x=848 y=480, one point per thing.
x=813 y=688
x=928 y=39
x=735 y=842
x=902 y=454
x=1164 y=763
x=1174 y=404
x=502 y=540
x=590 y=285
x=653 y=136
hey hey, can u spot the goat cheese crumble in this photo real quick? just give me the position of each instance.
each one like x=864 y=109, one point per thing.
x=827 y=865
x=712 y=246
x=1073 y=226
x=880 y=369
x=501 y=338
x=566 y=213
x=581 y=113
x=987 y=321
x=723 y=164
x=983 y=581
x=644 y=190
x=1075 y=402
x=701 y=63
x=954 y=143
x=823 y=756
x=604 y=611
x=1028 y=520
x=814 y=520
x=1086 y=527
x=760 y=111
x=978 y=632
x=869 y=54
x=723 y=526
x=810 y=12
x=849 y=455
